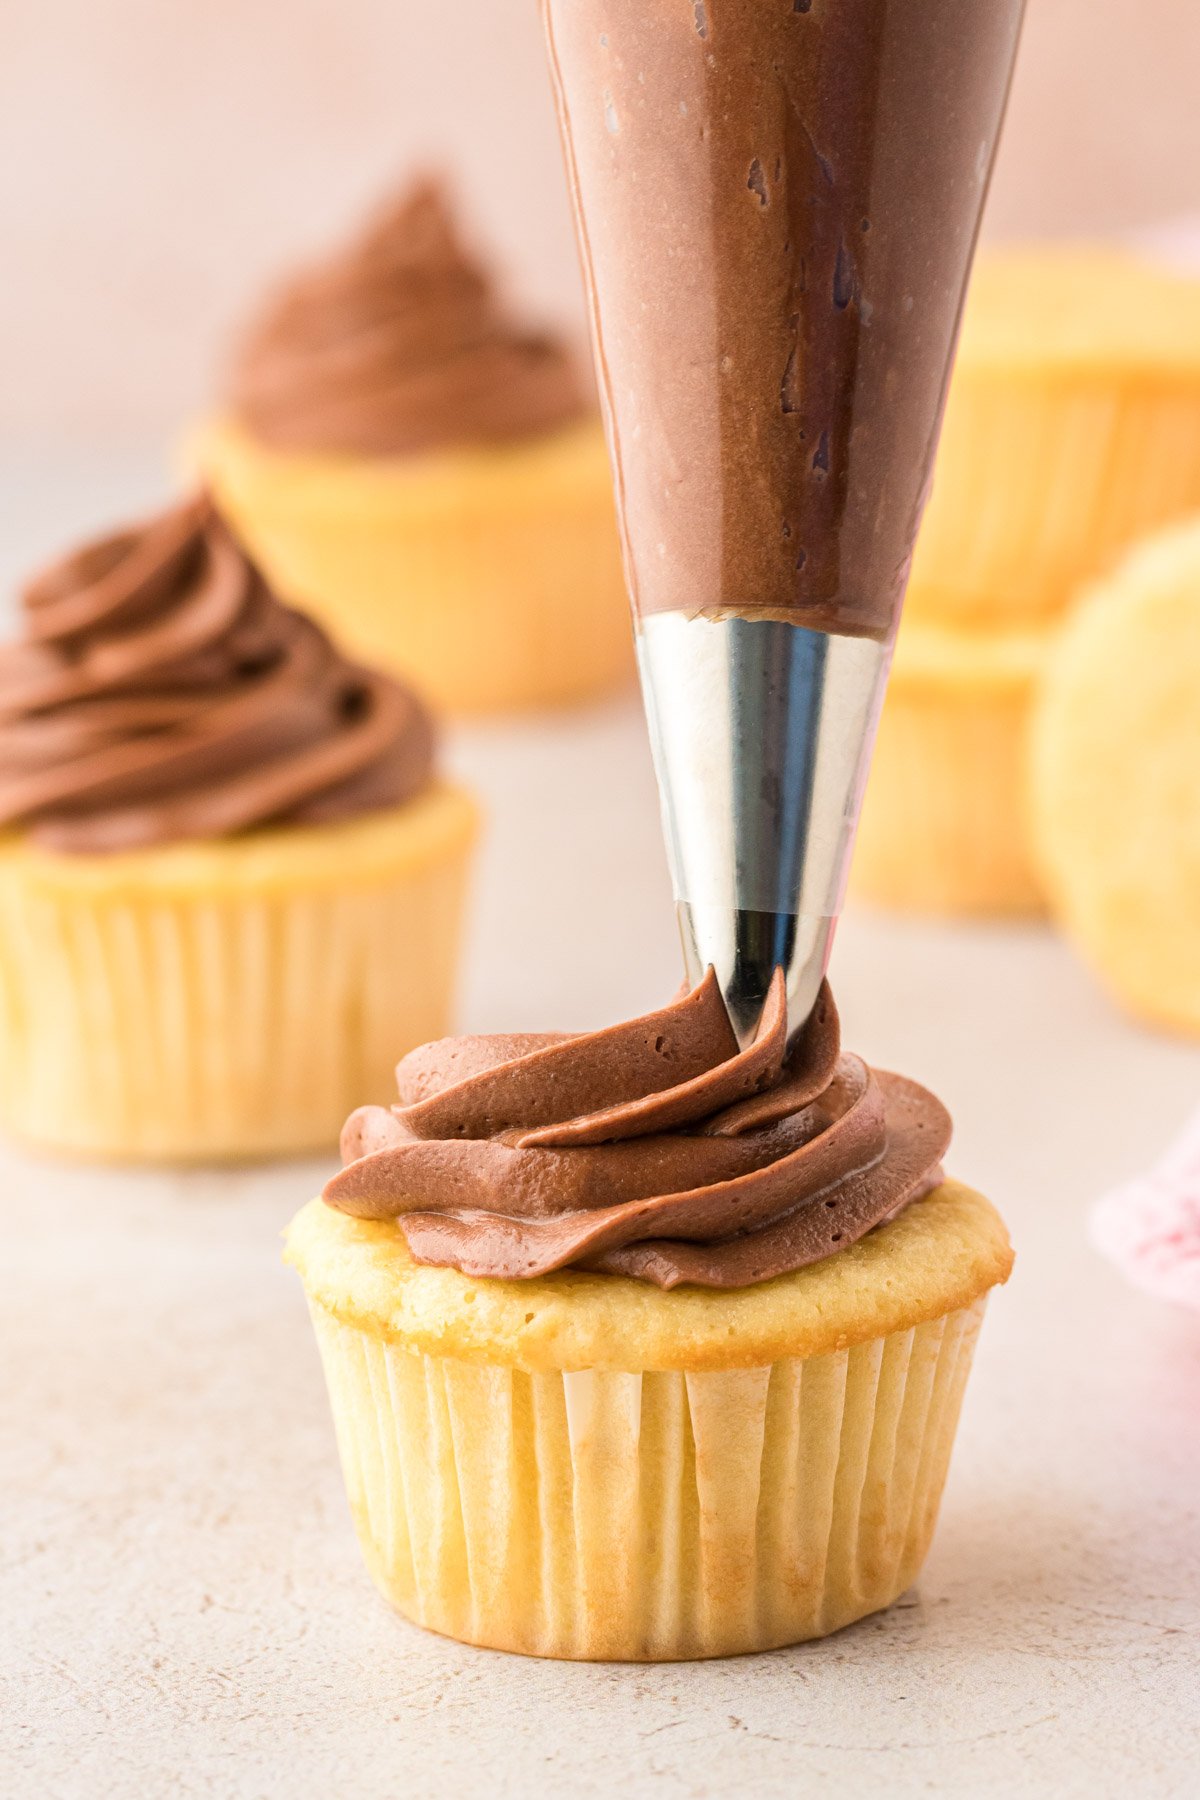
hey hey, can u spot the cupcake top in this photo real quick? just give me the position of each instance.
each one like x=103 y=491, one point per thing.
x=399 y=344
x=1079 y=308
x=160 y=691
x=656 y=1149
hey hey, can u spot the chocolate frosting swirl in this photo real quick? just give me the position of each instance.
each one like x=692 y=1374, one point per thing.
x=161 y=691
x=656 y=1149
x=399 y=344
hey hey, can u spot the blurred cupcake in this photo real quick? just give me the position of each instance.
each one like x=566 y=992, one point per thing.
x=230 y=883
x=1073 y=425
x=426 y=474
x=643 y=1347
x=944 y=827
x=1116 y=779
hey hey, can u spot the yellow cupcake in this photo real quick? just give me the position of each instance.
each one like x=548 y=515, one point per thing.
x=642 y=1344
x=586 y=1466
x=1072 y=427
x=1116 y=779
x=424 y=475
x=489 y=577
x=944 y=826
x=230 y=885
x=226 y=999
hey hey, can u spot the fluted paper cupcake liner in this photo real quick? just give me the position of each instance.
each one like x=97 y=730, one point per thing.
x=1041 y=480
x=491 y=579
x=230 y=999
x=646 y=1516
x=945 y=820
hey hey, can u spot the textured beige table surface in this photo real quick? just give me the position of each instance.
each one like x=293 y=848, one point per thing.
x=182 y=1608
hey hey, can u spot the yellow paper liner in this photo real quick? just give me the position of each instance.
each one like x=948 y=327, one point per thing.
x=1042 y=478
x=231 y=999
x=945 y=821
x=646 y=1516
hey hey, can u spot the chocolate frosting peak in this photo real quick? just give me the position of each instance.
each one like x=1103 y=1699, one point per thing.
x=657 y=1149
x=397 y=345
x=161 y=692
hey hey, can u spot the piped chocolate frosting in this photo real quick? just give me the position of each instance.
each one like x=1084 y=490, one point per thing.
x=161 y=691
x=656 y=1149
x=400 y=344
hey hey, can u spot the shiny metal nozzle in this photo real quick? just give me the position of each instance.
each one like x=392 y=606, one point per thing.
x=761 y=733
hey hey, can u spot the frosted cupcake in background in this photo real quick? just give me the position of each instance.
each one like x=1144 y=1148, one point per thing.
x=425 y=473
x=1072 y=428
x=642 y=1346
x=230 y=880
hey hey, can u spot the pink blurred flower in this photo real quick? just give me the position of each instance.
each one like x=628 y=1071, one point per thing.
x=1150 y=1227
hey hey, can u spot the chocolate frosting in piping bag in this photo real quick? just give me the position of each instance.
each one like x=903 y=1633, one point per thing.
x=656 y=1149
x=777 y=204
x=162 y=692
x=398 y=345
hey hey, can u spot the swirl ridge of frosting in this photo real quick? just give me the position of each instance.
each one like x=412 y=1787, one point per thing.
x=399 y=344
x=161 y=691
x=656 y=1149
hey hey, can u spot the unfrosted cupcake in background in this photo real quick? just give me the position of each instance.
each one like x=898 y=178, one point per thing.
x=426 y=473
x=1115 y=779
x=230 y=880
x=643 y=1347
x=1072 y=428
x=945 y=827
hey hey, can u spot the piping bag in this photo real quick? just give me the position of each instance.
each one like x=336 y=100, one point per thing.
x=777 y=203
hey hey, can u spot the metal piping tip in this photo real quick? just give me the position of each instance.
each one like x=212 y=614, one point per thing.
x=761 y=733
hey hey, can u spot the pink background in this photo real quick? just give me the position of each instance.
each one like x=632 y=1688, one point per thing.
x=160 y=158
